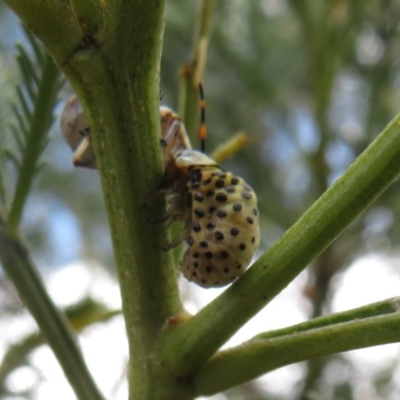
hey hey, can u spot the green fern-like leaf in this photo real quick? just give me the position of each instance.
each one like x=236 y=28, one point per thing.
x=32 y=116
x=6 y=91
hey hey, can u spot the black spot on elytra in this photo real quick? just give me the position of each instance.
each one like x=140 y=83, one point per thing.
x=226 y=270
x=203 y=244
x=234 y=180
x=221 y=213
x=219 y=235
x=224 y=255
x=234 y=231
x=219 y=183
x=221 y=197
x=210 y=193
x=230 y=189
x=198 y=197
x=199 y=212
x=208 y=255
x=210 y=226
x=209 y=270
x=190 y=241
x=250 y=220
x=237 y=207
x=196 y=226
x=242 y=246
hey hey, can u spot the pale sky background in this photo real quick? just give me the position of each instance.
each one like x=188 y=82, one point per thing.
x=369 y=279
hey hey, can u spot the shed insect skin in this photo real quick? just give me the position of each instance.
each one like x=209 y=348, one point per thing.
x=76 y=131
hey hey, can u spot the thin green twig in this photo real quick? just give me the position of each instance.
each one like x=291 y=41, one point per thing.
x=359 y=328
x=371 y=310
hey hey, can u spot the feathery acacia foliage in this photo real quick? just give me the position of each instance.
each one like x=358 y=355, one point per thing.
x=33 y=113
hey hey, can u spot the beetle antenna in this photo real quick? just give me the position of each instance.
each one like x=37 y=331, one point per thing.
x=203 y=128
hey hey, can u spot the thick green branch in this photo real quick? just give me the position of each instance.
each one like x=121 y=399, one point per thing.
x=125 y=135
x=117 y=81
x=19 y=268
x=189 y=346
x=88 y=14
x=258 y=356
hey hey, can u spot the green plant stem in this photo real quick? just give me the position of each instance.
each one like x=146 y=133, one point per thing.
x=43 y=109
x=125 y=136
x=228 y=149
x=54 y=326
x=189 y=346
x=263 y=354
x=192 y=72
x=371 y=310
x=88 y=14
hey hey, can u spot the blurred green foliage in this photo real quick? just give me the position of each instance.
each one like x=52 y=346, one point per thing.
x=311 y=83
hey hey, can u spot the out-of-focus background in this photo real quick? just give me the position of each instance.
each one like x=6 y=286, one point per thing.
x=311 y=83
